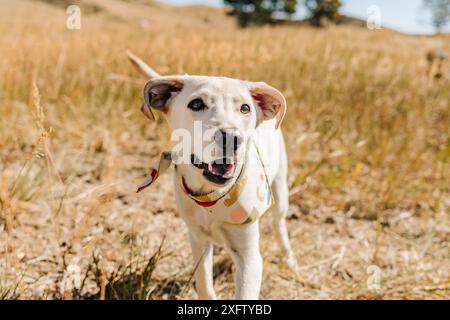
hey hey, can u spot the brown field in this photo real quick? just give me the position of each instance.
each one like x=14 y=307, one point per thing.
x=368 y=136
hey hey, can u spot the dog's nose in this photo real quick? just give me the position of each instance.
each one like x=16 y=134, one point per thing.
x=228 y=139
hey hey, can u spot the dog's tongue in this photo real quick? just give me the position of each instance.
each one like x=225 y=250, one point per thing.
x=221 y=167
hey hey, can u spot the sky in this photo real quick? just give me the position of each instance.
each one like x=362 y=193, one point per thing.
x=406 y=16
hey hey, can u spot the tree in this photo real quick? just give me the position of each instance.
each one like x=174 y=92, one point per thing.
x=260 y=11
x=323 y=11
x=440 y=13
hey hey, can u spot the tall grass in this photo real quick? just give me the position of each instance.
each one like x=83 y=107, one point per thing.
x=367 y=131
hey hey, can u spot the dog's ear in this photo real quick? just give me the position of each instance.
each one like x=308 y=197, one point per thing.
x=145 y=109
x=158 y=92
x=271 y=102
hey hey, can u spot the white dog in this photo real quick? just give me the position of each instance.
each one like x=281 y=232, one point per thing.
x=220 y=194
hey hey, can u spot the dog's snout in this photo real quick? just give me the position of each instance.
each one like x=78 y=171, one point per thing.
x=228 y=139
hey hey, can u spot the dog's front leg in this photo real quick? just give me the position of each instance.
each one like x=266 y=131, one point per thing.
x=202 y=251
x=243 y=244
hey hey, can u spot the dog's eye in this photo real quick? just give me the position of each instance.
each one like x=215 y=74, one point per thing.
x=245 y=108
x=197 y=105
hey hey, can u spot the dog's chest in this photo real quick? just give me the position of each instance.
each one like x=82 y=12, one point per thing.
x=209 y=228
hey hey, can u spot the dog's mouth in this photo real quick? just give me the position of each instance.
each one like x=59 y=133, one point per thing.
x=218 y=171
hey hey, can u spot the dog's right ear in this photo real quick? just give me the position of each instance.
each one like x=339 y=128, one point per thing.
x=158 y=93
x=147 y=112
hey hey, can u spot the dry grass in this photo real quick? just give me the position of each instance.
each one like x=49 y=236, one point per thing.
x=367 y=133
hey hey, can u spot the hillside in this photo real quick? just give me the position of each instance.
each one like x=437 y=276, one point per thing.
x=367 y=135
x=151 y=14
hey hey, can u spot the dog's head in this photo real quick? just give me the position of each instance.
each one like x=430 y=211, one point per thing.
x=212 y=119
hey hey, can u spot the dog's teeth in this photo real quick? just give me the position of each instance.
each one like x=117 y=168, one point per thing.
x=227 y=175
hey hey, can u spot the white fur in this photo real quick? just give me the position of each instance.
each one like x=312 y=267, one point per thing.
x=241 y=241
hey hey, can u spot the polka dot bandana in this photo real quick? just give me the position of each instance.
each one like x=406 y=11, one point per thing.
x=248 y=198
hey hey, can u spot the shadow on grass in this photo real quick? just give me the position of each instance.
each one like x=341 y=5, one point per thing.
x=134 y=281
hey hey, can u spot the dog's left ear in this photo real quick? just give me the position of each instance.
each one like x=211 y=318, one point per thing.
x=271 y=102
